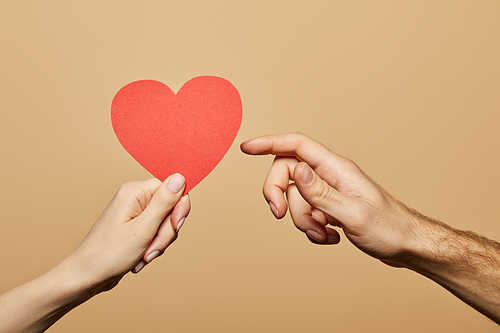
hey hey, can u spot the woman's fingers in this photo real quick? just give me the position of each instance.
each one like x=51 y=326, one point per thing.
x=167 y=232
x=155 y=222
x=180 y=212
x=163 y=201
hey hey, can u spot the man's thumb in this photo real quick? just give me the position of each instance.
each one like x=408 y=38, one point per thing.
x=319 y=193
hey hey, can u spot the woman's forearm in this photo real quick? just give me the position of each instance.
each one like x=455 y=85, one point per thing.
x=137 y=226
x=39 y=303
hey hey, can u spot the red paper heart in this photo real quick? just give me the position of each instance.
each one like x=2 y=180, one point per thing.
x=188 y=133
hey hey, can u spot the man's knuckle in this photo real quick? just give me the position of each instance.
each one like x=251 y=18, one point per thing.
x=351 y=165
x=301 y=136
x=324 y=193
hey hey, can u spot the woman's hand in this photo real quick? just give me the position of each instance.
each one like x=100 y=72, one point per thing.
x=139 y=223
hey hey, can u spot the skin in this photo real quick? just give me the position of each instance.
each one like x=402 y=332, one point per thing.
x=327 y=190
x=323 y=190
x=139 y=223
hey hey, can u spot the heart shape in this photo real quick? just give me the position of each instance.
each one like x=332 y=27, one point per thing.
x=188 y=132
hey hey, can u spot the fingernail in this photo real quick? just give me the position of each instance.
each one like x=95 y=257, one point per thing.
x=273 y=209
x=152 y=256
x=332 y=239
x=307 y=175
x=139 y=266
x=175 y=183
x=314 y=235
x=180 y=223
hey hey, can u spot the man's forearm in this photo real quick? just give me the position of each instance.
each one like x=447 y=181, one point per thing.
x=466 y=264
x=37 y=304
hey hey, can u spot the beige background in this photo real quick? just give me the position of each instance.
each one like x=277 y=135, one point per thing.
x=408 y=89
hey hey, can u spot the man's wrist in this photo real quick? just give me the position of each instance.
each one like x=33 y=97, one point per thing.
x=436 y=246
x=463 y=262
x=425 y=244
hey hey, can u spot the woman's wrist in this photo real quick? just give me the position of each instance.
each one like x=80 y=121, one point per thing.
x=83 y=282
x=39 y=303
x=70 y=285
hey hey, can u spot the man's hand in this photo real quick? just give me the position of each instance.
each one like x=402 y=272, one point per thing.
x=330 y=190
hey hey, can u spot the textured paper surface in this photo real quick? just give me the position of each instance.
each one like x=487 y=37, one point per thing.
x=188 y=132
